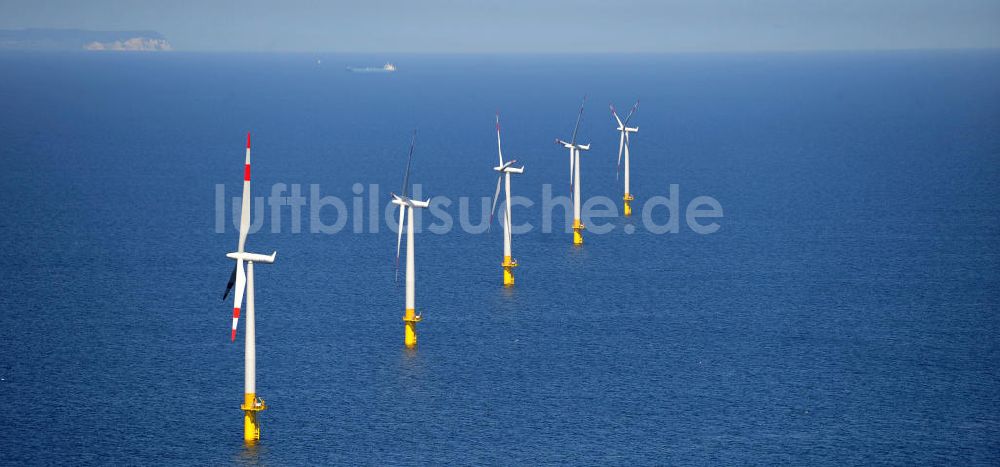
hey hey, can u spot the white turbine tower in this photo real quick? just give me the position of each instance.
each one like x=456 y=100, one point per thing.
x=623 y=143
x=410 y=316
x=244 y=279
x=574 y=175
x=505 y=170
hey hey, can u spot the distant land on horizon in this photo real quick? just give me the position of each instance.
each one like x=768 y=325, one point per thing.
x=82 y=39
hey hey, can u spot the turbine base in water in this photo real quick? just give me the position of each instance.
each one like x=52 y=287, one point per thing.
x=578 y=228
x=508 y=270
x=628 y=204
x=251 y=426
x=411 y=319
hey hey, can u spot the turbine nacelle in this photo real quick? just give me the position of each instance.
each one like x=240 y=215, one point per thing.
x=507 y=168
x=405 y=201
x=580 y=147
x=255 y=257
x=628 y=129
x=510 y=170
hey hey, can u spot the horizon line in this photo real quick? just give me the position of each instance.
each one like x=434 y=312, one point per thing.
x=531 y=53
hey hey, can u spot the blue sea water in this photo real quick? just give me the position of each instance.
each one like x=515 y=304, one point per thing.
x=845 y=312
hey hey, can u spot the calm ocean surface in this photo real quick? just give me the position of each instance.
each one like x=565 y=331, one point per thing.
x=845 y=312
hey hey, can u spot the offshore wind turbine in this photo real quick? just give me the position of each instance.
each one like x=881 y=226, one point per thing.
x=244 y=280
x=574 y=175
x=505 y=170
x=623 y=143
x=410 y=316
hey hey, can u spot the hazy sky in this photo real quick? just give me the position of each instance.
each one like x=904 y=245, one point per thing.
x=530 y=25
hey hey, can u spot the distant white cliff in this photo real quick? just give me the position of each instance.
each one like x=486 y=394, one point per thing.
x=134 y=44
x=81 y=39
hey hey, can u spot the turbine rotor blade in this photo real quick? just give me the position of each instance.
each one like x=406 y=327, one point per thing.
x=499 y=151
x=571 y=159
x=621 y=145
x=579 y=116
x=409 y=158
x=399 y=238
x=241 y=282
x=245 y=202
x=629 y=117
x=615 y=114
x=496 y=196
x=229 y=285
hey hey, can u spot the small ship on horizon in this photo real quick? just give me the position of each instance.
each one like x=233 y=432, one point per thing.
x=387 y=68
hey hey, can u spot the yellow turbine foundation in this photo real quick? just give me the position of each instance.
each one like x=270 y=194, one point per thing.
x=578 y=232
x=251 y=426
x=508 y=270
x=628 y=205
x=411 y=319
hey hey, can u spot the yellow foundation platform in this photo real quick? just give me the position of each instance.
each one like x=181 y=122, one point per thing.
x=628 y=204
x=411 y=319
x=508 y=270
x=251 y=425
x=578 y=228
